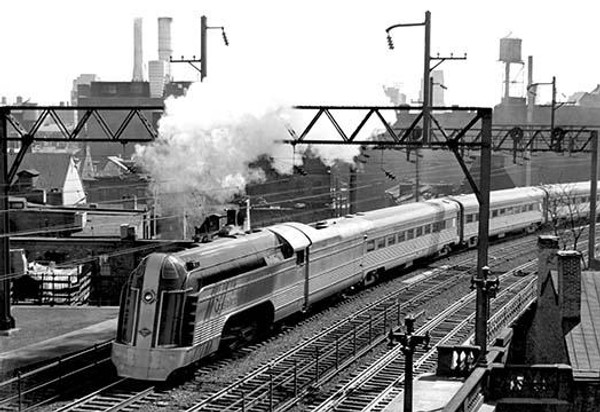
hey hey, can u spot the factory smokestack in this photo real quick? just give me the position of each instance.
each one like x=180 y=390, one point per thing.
x=164 y=41
x=138 y=55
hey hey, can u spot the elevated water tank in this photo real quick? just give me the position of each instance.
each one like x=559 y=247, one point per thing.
x=510 y=50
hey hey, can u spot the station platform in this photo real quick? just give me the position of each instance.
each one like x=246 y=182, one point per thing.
x=44 y=334
x=432 y=393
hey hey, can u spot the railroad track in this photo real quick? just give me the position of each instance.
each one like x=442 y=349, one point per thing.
x=119 y=395
x=380 y=383
x=297 y=372
x=46 y=384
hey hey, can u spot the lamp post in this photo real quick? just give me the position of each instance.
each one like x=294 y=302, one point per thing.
x=487 y=287
x=426 y=60
x=409 y=343
x=426 y=67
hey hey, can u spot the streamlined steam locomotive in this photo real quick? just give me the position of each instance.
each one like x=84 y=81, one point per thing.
x=178 y=308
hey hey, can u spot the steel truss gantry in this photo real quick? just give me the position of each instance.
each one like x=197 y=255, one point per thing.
x=17 y=132
x=477 y=133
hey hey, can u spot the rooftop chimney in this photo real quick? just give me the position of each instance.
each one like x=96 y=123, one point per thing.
x=164 y=40
x=569 y=287
x=547 y=248
x=138 y=57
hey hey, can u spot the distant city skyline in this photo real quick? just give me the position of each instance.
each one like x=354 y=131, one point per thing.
x=306 y=52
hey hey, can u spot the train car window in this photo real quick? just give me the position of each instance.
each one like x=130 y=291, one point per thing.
x=380 y=243
x=410 y=234
x=129 y=303
x=494 y=213
x=401 y=236
x=427 y=229
x=171 y=313
x=502 y=212
x=419 y=231
x=300 y=257
x=17 y=205
x=370 y=245
x=391 y=240
x=530 y=207
x=477 y=216
x=470 y=218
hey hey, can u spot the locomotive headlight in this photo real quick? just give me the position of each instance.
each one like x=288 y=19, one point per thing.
x=148 y=296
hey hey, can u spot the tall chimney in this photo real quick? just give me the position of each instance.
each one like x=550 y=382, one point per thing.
x=569 y=287
x=138 y=55
x=164 y=41
x=547 y=248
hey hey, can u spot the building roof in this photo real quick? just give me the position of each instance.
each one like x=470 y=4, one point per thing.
x=583 y=341
x=52 y=168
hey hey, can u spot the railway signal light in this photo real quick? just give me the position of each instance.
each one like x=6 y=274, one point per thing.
x=224 y=36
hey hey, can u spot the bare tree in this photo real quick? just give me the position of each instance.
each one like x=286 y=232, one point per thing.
x=568 y=214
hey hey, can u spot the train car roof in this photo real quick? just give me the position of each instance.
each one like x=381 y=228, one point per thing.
x=501 y=196
x=340 y=227
x=229 y=248
x=410 y=211
x=572 y=188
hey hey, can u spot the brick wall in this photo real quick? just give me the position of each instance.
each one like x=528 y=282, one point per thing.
x=569 y=287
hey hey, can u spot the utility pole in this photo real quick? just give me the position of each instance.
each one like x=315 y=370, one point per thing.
x=531 y=92
x=7 y=322
x=426 y=137
x=203 y=60
x=409 y=343
x=592 y=262
x=426 y=72
x=417 y=183
x=553 y=106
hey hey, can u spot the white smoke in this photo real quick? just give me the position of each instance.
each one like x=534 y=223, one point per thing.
x=208 y=139
x=205 y=146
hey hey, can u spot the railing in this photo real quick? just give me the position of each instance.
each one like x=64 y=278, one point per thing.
x=530 y=381
x=29 y=389
x=455 y=360
x=54 y=289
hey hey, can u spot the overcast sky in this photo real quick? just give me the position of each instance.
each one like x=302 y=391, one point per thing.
x=311 y=52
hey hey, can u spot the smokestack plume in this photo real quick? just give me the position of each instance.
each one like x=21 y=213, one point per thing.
x=164 y=41
x=138 y=56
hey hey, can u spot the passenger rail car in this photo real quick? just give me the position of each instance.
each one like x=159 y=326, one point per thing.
x=178 y=308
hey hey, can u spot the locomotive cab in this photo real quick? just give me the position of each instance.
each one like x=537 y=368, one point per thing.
x=151 y=319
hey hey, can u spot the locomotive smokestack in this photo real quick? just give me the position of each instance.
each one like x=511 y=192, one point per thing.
x=164 y=41
x=138 y=57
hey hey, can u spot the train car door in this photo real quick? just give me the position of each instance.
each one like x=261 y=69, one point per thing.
x=302 y=264
x=300 y=243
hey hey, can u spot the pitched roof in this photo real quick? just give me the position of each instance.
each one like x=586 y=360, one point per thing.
x=52 y=168
x=583 y=341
